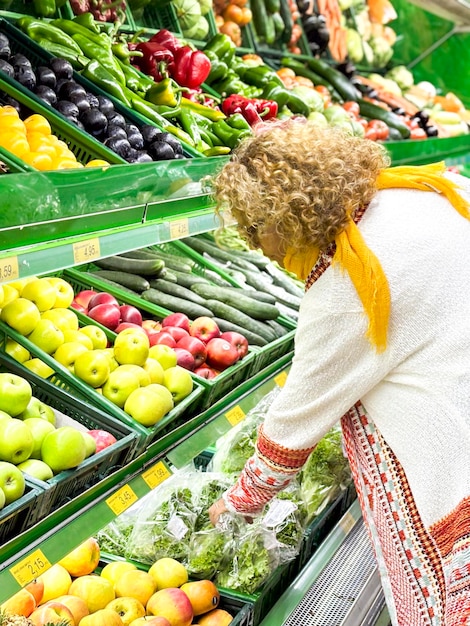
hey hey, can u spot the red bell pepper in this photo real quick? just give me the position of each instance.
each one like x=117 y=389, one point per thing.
x=166 y=39
x=190 y=68
x=254 y=110
x=155 y=61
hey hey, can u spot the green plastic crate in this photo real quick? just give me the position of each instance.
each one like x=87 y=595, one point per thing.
x=70 y=483
x=12 y=163
x=64 y=379
x=20 y=515
x=213 y=389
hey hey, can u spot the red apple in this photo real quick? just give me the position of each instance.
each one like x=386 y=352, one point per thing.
x=196 y=347
x=176 y=332
x=221 y=354
x=124 y=325
x=184 y=358
x=106 y=314
x=130 y=314
x=177 y=319
x=206 y=372
x=102 y=438
x=238 y=340
x=102 y=297
x=162 y=337
x=204 y=328
x=84 y=297
x=78 y=307
x=151 y=325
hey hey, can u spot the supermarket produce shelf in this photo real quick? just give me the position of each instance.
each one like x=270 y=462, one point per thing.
x=339 y=586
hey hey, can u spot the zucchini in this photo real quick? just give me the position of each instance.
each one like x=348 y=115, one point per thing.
x=186 y=280
x=231 y=314
x=253 y=338
x=204 y=245
x=259 y=18
x=373 y=112
x=336 y=79
x=281 y=279
x=173 y=289
x=143 y=267
x=168 y=275
x=131 y=281
x=260 y=281
x=175 y=304
x=286 y=16
x=261 y=296
x=256 y=309
x=272 y=6
x=299 y=68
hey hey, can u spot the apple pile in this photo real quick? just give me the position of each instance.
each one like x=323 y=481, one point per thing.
x=31 y=443
x=73 y=593
x=143 y=380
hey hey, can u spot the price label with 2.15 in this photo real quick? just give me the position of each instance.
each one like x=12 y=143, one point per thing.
x=9 y=269
x=30 y=567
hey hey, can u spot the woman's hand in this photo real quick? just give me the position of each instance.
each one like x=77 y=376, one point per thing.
x=216 y=510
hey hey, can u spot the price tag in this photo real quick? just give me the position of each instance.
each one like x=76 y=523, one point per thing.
x=156 y=474
x=347 y=522
x=235 y=415
x=86 y=251
x=9 y=269
x=280 y=379
x=179 y=228
x=30 y=568
x=121 y=500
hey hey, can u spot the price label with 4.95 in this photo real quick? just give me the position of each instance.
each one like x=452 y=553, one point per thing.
x=86 y=251
x=9 y=269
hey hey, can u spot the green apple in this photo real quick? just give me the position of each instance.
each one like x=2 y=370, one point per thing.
x=4 y=416
x=97 y=336
x=38 y=367
x=142 y=376
x=64 y=291
x=12 y=482
x=16 y=351
x=147 y=405
x=21 y=314
x=46 y=336
x=38 y=408
x=63 y=448
x=41 y=292
x=90 y=444
x=165 y=355
x=36 y=468
x=154 y=370
x=67 y=353
x=16 y=441
x=92 y=367
x=2 y=498
x=39 y=428
x=131 y=346
x=119 y=386
x=15 y=393
x=65 y=319
x=179 y=382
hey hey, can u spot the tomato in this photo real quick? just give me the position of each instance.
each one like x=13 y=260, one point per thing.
x=352 y=107
x=380 y=128
x=371 y=134
x=363 y=122
x=418 y=133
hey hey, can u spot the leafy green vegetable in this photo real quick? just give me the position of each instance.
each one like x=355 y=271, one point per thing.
x=206 y=550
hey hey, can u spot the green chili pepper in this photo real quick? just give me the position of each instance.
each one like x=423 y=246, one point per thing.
x=165 y=92
x=190 y=126
x=261 y=75
x=74 y=28
x=77 y=61
x=272 y=91
x=219 y=68
x=45 y=8
x=135 y=80
x=238 y=121
x=215 y=140
x=38 y=29
x=222 y=46
x=100 y=76
x=151 y=113
x=297 y=105
x=201 y=109
x=104 y=56
x=230 y=136
x=88 y=21
x=217 y=151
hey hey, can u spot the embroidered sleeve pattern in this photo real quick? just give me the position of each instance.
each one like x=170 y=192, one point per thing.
x=267 y=472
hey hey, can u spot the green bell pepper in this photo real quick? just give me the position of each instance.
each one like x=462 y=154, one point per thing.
x=45 y=8
x=237 y=121
x=219 y=68
x=261 y=75
x=222 y=46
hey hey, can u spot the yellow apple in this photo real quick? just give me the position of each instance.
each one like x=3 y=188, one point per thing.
x=165 y=355
x=131 y=346
x=154 y=370
x=173 y=604
x=56 y=581
x=113 y=570
x=76 y=606
x=16 y=351
x=92 y=367
x=64 y=291
x=41 y=292
x=76 y=335
x=38 y=367
x=113 y=364
x=150 y=621
x=142 y=375
x=135 y=584
x=52 y=612
x=119 y=386
x=147 y=405
x=203 y=595
x=9 y=294
x=179 y=382
x=103 y=617
x=216 y=617
x=168 y=572
x=128 y=609
x=67 y=353
x=46 y=336
x=96 y=591
x=20 y=284
x=83 y=559
x=21 y=314
x=21 y=603
x=97 y=336
x=2 y=297
x=65 y=319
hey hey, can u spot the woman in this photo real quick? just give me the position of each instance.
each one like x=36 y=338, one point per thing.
x=383 y=342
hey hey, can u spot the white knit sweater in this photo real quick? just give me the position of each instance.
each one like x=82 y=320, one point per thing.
x=418 y=391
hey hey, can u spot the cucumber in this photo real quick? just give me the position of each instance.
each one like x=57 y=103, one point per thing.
x=216 y=278
x=272 y=6
x=260 y=296
x=260 y=281
x=204 y=245
x=186 y=280
x=287 y=299
x=143 y=267
x=131 y=281
x=259 y=18
x=287 y=311
x=278 y=24
x=282 y=280
x=256 y=309
x=141 y=253
x=175 y=304
x=278 y=328
x=168 y=275
x=374 y=112
x=270 y=29
x=111 y=283
x=173 y=289
x=231 y=314
x=286 y=15
x=175 y=262
x=253 y=338
x=338 y=80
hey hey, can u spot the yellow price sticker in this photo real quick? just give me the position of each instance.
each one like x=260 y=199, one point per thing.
x=156 y=474
x=347 y=523
x=9 y=269
x=179 y=228
x=280 y=379
x=121 y=500
x=86 y=251
x=235 y=415
x=30 y=567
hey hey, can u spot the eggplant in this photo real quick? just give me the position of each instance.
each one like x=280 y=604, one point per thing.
x=46 y=94
x=116 y=131
x=171 y=141
x=5 y=50
x=120 y=146
x=45 y=76
x=68 y=88
x=141 y=157
x=149 y=133
x=93 y=100
x=26 y=77
x=6 y=68
x=105 y=105
x=80 y=100
x=136 y=140
x=67 y=109
x=161 y=151
x=61 y=68
x=116 y=118
x=19 y=60
x=95 y=122
x=432 y=131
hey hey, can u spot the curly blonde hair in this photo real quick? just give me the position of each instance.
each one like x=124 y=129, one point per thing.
x=300 y=179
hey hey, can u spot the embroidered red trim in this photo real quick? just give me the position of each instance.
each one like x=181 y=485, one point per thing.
x=277 y=456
